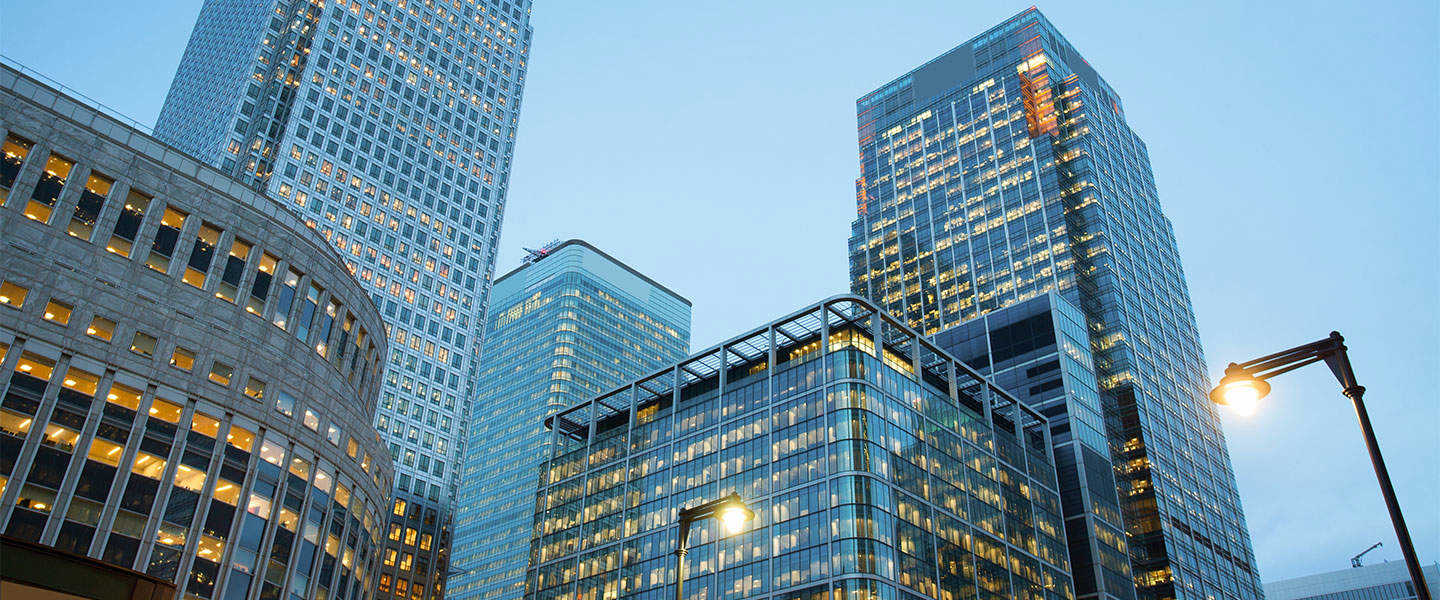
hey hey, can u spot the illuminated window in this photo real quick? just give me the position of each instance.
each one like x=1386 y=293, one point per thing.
x=12 y=156
x=47 y=190
x=105 y=452
x=124 y=395
x=221 y=373
x=201 y=254
x=259 y=290
x=81 y=381
x=205 y=425
x=182 y=359
x=241 y=438
x=101 y=327
x=165 y=239
x=13 y=295
x=92 y=199
x=285 y=404
x=143 y=344
x=234 y=269
x=122 y=240
x=166 y=410
x=255 y=388
x=58 y=312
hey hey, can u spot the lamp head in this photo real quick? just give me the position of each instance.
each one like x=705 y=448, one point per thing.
x=734 y=515
x=1240 y=390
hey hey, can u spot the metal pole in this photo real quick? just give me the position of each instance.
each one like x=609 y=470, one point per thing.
x=1402 y=533
x=680 y=551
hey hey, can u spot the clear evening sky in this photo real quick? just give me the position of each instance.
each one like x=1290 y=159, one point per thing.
x=712 y=146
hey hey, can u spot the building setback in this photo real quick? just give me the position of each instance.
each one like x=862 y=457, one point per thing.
x=877 y=467
x=569 y=324
x=1037 y=350
x=1004 y=170
x=388 y=126
x=188 y=373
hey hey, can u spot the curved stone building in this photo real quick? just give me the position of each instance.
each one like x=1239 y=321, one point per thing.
x=188 y=374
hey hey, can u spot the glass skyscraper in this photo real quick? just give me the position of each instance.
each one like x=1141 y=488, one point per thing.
x=878 y=468
x=388 y=126
x=1003 y=170
x=570 y=323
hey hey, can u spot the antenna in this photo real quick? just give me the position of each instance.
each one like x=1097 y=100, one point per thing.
x=1355 y=562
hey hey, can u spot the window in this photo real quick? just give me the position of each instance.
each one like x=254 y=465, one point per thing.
x=124 y=395
x=182 y=359
x=58 y=312
x=287 y=298
x=12 y=156
x=255 y=388
x=234 y=268
x=198 y=267
x=13 y=295
x=241 y=438
x=221 y=373
x=165 y=410
x=312 y=420
x=307 y=312
x=205 y=424
x=101 y=327
x=47 y=190
x=122 y=240
x=333 y=436
x=265 y=271
x=92 y=199
x=165 y=239
x=143 y=344
x=285 y=404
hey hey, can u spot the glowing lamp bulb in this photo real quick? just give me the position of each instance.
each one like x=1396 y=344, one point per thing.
x=734 y=517
x=1240 y=390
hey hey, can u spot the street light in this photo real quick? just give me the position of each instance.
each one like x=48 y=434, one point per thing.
x=732 y=513
x=1244 y=385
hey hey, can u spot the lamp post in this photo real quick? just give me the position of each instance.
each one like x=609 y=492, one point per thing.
x=1244 y=385
x=733 y=514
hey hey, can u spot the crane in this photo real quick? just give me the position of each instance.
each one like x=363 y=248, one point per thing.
x=1355 y=560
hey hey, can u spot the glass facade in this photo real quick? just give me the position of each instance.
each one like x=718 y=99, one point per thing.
x=388 y=126
x=877 y=467
x=1382 y=581
x=1004 y=170
x=1038 y=350
x=570 y=324
x=151 y=417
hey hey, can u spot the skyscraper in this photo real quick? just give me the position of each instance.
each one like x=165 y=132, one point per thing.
x=877 y=467
x=565 y=326
x=1003 y=170
x=388 y=126
x=178 y=399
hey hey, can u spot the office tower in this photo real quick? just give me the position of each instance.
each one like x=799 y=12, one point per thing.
x=1385 y=581
x=568 y=324
x=388 y=126
x=1037 y=350
x=877 y=467
x=1003 y=170
x=188 y=372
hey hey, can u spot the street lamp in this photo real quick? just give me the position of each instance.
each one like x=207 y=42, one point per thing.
x=1244 y=385
x=732 y=513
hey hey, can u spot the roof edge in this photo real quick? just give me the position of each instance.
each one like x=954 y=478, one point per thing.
x=606 y=256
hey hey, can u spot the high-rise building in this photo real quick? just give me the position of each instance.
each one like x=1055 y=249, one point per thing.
x=570 y=323
x=188 y=372
x=1003 y=170
x=1038 y=350
x=1384 y=581
x=388 y=126
x=876 y=465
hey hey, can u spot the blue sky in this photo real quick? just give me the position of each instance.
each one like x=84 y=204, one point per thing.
x=712 y=147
